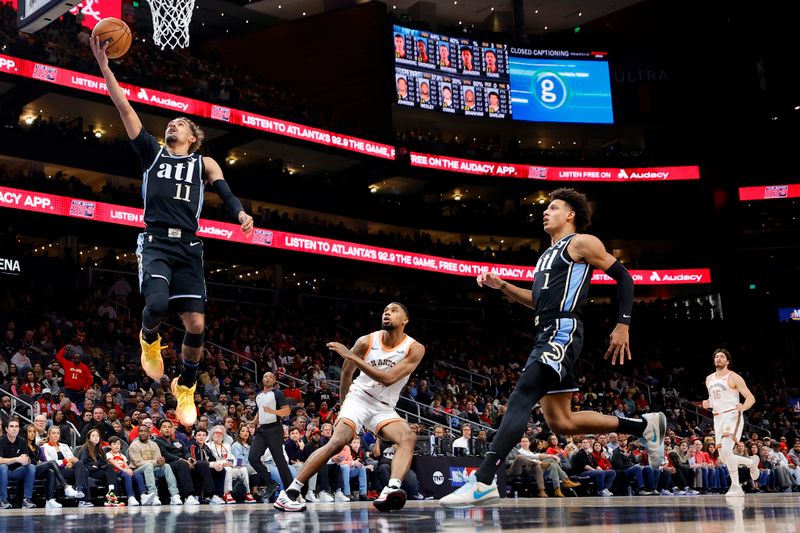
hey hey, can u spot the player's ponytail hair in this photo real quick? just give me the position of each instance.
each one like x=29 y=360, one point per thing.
x=579 y=203
x=196 y=131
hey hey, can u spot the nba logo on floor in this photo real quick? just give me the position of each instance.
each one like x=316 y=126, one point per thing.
x=459 y=474
x=261 y=236
x=79 y=208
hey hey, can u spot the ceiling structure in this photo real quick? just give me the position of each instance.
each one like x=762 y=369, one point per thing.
x=496 y=15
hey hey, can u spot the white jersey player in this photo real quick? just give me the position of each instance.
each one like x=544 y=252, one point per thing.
x=386 y=359
x=724 y=388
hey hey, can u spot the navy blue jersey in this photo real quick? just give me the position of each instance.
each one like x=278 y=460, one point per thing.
x=560 y=285
x=172 y=186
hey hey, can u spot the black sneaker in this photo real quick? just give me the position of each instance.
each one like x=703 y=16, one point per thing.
x=5 y=505
x=28 y=504
x=269 y=494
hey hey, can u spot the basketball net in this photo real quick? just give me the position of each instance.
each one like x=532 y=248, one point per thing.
x=171 y=20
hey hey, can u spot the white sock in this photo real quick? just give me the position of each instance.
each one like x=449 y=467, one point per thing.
x=296 y=485
x=111 y=488
x=394 y=483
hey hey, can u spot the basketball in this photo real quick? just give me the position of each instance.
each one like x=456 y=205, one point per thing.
x=117 y=32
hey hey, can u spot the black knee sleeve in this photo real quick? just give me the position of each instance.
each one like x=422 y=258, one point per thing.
x=193 y=340
x=530 y=388
x=156 y=297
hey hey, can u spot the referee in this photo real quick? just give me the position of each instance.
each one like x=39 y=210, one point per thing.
x=272 y=406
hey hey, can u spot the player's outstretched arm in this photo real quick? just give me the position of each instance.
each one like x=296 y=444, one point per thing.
x=129 y=117
x=493 y=281
x=399 y=371
x=588 y=249
x=231 y=203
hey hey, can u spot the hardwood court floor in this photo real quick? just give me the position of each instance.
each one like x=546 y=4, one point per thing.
x=707 y=514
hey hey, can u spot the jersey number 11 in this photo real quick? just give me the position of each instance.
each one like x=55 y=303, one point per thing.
x=182 y=192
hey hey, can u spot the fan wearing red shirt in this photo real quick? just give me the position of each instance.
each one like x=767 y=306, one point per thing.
x=77 y=376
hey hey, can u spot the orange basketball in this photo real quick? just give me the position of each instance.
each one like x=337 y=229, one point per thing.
x=117 y=33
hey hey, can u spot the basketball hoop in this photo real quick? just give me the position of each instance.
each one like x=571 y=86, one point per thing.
x=171 y=20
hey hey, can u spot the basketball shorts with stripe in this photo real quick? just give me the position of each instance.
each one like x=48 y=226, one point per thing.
x=558 y=346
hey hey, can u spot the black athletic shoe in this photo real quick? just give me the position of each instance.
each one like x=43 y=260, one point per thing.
x=28 y=504
x=5 y=505
x=270 y=490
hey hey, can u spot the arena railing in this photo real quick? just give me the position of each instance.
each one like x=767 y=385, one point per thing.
x=642 y=384
x=235 y=293
x=473 y=377
x=17 y=400
x=420 y=408
x=423 y=313
x=700 y=413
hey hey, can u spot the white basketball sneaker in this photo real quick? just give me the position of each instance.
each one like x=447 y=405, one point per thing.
x=735 y=490
x=471 y=493
x=754 y=473
x=285 y=503
x=654 y=435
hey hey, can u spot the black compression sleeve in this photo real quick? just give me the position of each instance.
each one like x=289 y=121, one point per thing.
x=231 y=203
x=624 y=291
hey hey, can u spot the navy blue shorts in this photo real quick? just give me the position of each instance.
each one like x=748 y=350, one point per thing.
x=558 y=346
x=178 y=262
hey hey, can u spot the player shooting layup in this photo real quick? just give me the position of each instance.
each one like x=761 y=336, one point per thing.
x=170 y=254
x=724 y=387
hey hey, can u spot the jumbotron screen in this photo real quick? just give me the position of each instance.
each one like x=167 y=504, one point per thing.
x=483 y=79
x=450 y=74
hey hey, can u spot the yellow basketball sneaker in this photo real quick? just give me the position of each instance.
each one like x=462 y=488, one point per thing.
x=186 y=412
x=152 y=363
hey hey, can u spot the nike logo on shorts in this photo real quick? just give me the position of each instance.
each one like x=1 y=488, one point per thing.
x=194 y=243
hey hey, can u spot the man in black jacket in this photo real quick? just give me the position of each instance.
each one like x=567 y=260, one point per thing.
x=621 y=461
x=99 y=423
x=182 y=464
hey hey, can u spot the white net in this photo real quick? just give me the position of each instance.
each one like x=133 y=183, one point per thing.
x=171 y=20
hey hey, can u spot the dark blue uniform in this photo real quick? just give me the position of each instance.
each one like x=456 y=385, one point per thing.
x=560 y=288
x=172 y=190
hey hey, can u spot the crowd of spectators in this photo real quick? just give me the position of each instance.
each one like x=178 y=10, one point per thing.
x=514 y=149
x=76 y=363
x=65 y=43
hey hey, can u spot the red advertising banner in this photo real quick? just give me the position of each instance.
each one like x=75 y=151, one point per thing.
x=133 y=216
x=513 y=170
x=189 y=106
x=769 y=192
x=94 y=11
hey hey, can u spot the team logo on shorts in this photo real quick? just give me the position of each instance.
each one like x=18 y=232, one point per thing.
x=557 y=354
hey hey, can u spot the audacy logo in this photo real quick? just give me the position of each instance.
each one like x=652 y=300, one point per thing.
x=655 y=277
